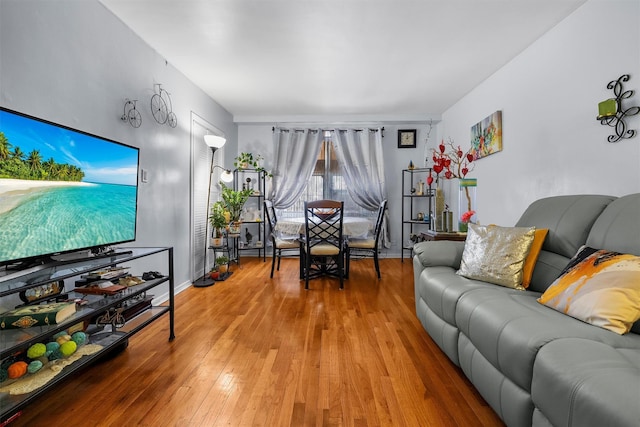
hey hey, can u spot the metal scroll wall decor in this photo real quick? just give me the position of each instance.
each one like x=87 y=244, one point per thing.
x=611 y=112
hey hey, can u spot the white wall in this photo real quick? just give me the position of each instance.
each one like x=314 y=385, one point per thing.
x=549 y=94
x=74 y=63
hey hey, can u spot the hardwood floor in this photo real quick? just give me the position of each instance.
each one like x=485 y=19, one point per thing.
x=265 y=352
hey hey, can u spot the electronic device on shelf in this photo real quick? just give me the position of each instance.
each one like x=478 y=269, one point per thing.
x=65 y=193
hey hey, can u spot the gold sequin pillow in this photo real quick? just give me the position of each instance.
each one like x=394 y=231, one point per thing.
x=598 y=287
x=496 y=254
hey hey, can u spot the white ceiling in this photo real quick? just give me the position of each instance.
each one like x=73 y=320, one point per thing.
x=397 y=58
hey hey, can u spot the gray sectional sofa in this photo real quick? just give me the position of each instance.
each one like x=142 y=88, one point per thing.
x=532 y=364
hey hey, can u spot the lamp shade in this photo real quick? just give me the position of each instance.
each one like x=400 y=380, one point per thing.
x=226 y=176
x=214 y=141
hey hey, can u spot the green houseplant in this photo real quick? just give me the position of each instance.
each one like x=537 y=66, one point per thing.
x=249 y=160
x=234 y=201
x=218 y=222
x=222 y=262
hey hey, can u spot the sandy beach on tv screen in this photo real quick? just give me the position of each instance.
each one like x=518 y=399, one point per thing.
x=13 y=191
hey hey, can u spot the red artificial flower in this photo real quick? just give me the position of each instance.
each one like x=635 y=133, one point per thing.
x=466 y=217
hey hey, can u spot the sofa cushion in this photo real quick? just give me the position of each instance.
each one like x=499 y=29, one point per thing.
x=598 y=287
x=441 y=288
x=618 y=227
x=496 y=254
x=580 y=382
x=532 y=257
x=569 y=220
x=509 y=327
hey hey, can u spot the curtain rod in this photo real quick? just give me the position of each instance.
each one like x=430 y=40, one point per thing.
x=273 y=129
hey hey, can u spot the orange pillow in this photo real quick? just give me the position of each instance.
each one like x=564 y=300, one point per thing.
x=530 y=261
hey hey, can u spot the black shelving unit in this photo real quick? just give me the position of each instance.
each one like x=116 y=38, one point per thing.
x=256 y=226
x=111 y=336
x=412 y=204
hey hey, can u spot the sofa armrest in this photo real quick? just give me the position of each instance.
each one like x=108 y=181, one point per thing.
x=439 y=253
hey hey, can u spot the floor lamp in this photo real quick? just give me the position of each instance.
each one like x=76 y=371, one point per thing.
x=214 y=142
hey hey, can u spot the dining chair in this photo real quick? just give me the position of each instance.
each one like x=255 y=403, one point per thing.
x=279 y=243
x=367 y=247
x=322 y=250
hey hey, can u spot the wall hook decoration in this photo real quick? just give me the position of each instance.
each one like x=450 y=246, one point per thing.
x=611 y=112
x=130 y=114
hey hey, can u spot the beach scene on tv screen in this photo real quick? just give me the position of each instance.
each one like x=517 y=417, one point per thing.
x=62 y=190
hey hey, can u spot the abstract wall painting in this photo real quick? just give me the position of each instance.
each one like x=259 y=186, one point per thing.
x=486 y=136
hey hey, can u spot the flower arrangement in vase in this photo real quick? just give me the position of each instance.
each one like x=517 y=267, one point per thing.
x=465 y=218
x=456 y=163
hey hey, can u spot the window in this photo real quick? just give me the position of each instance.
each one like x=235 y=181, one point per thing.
x=326 y=182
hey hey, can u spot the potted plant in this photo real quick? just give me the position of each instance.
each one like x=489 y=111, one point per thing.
x=218 y=221
x=248 y=160
x=222 y=263
x=214 y=273
x=234 y=201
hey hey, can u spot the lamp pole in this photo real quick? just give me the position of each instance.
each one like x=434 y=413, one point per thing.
x=214 y=142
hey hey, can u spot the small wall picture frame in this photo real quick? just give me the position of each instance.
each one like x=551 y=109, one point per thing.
x=406 y=138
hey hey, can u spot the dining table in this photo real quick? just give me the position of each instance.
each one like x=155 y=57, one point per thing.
x=352 y=226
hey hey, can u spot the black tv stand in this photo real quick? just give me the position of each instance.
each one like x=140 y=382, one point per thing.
x=107 y=330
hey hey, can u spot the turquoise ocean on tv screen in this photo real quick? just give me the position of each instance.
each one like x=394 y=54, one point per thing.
x=58 y=219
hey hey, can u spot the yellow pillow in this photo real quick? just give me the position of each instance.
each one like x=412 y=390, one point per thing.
x=530 y=262
x=598 y=287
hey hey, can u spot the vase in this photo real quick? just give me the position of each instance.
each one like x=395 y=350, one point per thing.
x=439 y=208
x=467 y=203
x=234 y=227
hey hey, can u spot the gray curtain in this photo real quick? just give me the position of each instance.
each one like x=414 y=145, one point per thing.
x=296 y=152
x=359 y=152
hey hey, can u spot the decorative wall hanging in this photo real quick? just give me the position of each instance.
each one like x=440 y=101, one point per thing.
x=161 y=108
x=486 y=136
x=611 y=112
x=406 y=138
x=130 y=114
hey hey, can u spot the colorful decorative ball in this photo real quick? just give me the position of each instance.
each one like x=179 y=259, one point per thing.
x=68 y=348
x=56 y=354
x=52 y=346
x=17 y=369
x=36 y=351
x=34 y=366
x=79 y=338
x=59 y=334
x=63 y=339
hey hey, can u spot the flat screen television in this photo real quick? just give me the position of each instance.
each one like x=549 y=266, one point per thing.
x=62 y=190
